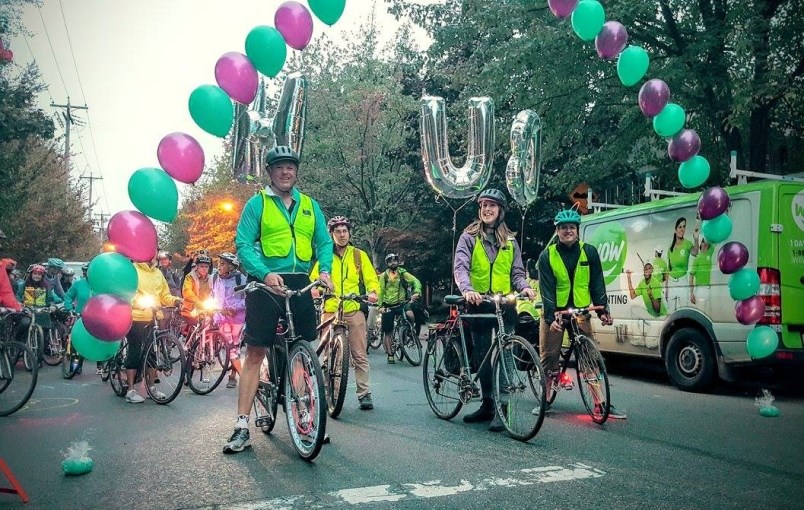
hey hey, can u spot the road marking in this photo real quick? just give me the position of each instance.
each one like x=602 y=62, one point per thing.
x=423 y=490
x=41 y=404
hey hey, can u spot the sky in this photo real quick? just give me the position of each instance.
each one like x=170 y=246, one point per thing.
x=134 y=64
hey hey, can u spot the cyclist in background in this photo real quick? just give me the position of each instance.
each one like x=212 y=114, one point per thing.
x=76 y=299
x=67 y=276
x=395 y=289
x=53 y=276
x=197 y=287
x=231 y=316
x=171 y=275
x=8 y=298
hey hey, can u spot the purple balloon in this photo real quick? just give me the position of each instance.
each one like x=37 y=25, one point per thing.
x=731 y=257
x=684 y=145
x=181 y=156
x=133 y=235
x=611 y=40
x=653 y=97
x=562 y=8
x=107 y=317
x=750 y=311
x=295 y=23
x=713 y=202
x=235 y=74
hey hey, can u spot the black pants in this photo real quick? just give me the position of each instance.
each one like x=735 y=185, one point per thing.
x=263 y=311
x=481 y=339
x=137 y=336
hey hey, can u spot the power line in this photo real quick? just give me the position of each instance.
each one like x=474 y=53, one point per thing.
x=72 y=53
x=47 y=34
x=25 y=37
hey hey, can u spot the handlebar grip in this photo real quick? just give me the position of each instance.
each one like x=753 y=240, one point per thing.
x=239 y=288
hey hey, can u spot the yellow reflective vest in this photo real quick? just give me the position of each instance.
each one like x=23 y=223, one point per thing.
x=486 y=276
x=279 y=236
x=580 y=286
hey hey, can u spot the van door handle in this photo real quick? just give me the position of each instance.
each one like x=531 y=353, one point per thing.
x=801 y=280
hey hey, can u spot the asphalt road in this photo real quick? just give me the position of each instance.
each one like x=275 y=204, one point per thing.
x=676 y=450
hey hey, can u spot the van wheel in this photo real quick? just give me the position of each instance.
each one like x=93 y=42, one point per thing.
x=690 y=360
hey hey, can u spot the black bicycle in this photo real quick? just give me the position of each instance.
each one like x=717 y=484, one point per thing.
x=207 y=352
x=405 y=341
x=518 y=376
x=291 y=376
x=18 y=374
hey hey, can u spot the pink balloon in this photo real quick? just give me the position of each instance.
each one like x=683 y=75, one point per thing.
x=731 y=257
x=133 y=235
x=611 y=40
x=181 y=156
x=750 y=311
x=295 y=23
x=107 y=317
x=562 y=9
x=235 y=74
x=684 y=145
x=653 y=97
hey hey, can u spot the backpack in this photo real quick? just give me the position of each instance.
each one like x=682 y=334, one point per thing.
x=403 y=282
x=361 y=285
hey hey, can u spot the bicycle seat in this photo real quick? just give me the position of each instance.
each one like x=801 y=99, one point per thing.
x=453 y=300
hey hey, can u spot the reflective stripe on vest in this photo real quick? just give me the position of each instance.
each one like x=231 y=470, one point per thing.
x=278 y=236
x=495 y=276
x=580 y=288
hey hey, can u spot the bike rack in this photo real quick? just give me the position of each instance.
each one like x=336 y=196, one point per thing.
x=15 y=488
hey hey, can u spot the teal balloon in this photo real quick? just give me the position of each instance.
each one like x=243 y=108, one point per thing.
x=669 y=121
x=112 y=273
x=694 y=172
x=266 y=49
x=743 y=284
x=717 y=230
x=154 y=193
x=328 y=11
x=762 y=342
x=769 y=411
x=212 y=110
x=90 y=347
x=632 y=64
x=588 y=19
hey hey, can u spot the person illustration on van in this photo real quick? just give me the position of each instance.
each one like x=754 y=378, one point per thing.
x=678 y=259
x=649 y=288
x=701 y=274
x=659 y=264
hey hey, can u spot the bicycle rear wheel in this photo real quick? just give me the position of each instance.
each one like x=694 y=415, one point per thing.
x=116 y=371
x=165 y=363
x=70 y=361
x=375 y=333
x=336 y=372
x=17 y=381
x=207 y=365
x=441 y=381
x=305 y=402
x=519 y=388
x=412 y=346
x=53 y=347
x=593 y=381
x=266 y=400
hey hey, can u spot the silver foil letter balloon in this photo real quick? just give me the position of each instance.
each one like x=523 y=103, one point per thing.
x=446 y=178
x=523 y=172
x=292 y=113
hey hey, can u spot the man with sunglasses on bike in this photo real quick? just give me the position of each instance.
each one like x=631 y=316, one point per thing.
x=280 y=230
x=563 y=288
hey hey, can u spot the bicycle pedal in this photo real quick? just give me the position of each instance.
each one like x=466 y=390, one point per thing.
x=262 y=421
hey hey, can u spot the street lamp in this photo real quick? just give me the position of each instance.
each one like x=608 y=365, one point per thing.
x=227 y=206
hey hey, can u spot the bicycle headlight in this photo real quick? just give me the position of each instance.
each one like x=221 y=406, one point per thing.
x=146 y=301
x=209 y=304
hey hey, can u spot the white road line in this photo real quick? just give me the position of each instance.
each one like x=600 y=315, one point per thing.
x=424 y=490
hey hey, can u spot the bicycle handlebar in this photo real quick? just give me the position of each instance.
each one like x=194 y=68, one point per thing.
x=488 y=298
x=580 y=311
x=254 y=286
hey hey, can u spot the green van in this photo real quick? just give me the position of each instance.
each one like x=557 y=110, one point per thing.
x=668 y=297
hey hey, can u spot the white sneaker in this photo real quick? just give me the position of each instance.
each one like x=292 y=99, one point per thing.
x=156 y=394
x=133 y=397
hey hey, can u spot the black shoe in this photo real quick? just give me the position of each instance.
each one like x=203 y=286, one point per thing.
x=239 y=441
x=365 y=402
x=485 y=413
x=496 y=424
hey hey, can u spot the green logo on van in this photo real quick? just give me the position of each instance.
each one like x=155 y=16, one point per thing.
x=798 y=209
x=612 y=245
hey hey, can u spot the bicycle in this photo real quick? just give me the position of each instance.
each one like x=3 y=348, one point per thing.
x=517 y=374
x=300 y=387
x=71 y=362
x=334 y=351
x=160 y=355
x=17 y=378
x=593 y=380
x=207 y=352
x=405 y=340
x=374 y=327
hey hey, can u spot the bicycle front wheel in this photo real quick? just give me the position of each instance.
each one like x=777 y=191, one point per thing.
x=53 y=348
x=207 y=363
x=17 y=380
x=336 y=373
x=35 y=340
x=116 y=371
x=593 y=381
x=519 y=388
x=70 y=361
x=165 y=368
x=305 y=402
x=441 y=374
x=375 y=333
x=412 y=346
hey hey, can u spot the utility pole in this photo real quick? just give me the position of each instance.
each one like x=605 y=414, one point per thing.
x=101 y=220
x=90 y=178
x=68 y=117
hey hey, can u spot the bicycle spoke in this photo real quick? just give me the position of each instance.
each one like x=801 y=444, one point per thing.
x=519 y=388
x=593 y=381
x=442 y=379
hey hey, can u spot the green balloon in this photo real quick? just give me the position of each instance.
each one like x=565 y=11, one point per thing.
x=743 y=284
x=90 y=347
x=154 y=193
x=669 y=121
x=762 y=342
x=266 y=49
x=328 y=11
x=693 y=172
x=112 y=273
x=212 y=110
x=632 y=64
x=588 y=19
x=717 y=230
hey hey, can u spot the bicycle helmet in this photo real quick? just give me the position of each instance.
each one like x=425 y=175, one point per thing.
x=55 y=262
x=85 y=267
x=163 y=255
x=37 y=268
x=494 y=195
x=336 y=221
x=68 y=272
x=390 y=257
x=567 y=216
x=230 y=258
x=281 y=153
x=203 y=259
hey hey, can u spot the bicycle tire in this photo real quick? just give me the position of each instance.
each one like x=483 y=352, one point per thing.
x=53 y=347
x=413 y=347
x=519 y=388
x=399 y=348
x=441 y=386
x=35 y=335
x=70 y=361
x=266 y=402
x=117 y=371
x=12 y=358
x=593 y=380
x=195 y=374
x=336 y=378
x=162 y=354
x=305 y=404
x=375 y=333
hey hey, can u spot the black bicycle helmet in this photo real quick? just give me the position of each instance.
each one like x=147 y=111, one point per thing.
x=494 y=195
x=203 y=259
x=281 y=153
x=336 y=221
